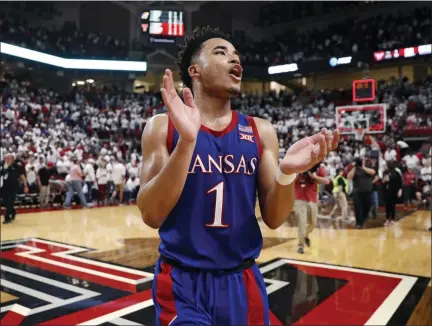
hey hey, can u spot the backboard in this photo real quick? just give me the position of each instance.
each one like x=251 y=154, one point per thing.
x=372 y=117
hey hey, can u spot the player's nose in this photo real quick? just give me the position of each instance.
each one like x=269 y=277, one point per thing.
x=235 y=59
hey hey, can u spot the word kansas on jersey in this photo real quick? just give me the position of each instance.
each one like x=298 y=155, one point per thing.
x=223 y=164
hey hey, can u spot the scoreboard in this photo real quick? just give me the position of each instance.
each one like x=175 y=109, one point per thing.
x=166 y=23
x=363 y=90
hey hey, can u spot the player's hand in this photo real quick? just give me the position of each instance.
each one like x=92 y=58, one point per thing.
x=184 y=115
x=25 y=190
x=399 y=194
x=307 y=152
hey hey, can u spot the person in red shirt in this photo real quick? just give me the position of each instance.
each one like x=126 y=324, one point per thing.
x=306 y=203
x=409 y=182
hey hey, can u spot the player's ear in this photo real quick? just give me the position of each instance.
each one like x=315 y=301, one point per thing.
x=194 y=70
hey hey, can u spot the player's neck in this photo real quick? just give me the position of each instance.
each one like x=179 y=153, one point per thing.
x=212 y=107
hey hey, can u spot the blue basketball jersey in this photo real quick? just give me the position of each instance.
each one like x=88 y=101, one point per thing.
x=213 y=225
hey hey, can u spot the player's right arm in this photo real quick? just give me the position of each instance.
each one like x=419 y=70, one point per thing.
x=163 y=176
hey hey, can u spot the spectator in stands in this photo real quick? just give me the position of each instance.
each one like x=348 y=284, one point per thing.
x=411 y=160
x=409 y=186
x=425 y=172
x=118 y=177
x=43 y=179
x=102 y=181
x=75 y=184
x=62 y=167
x=131 y=188
x=31 y=179
x=392 y=190
x=90 y=178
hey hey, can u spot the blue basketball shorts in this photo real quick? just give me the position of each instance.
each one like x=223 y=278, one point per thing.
x=184 y=297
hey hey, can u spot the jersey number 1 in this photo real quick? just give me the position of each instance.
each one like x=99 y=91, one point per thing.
x=218 y=209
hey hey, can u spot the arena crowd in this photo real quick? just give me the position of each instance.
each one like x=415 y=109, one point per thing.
x=101 y=130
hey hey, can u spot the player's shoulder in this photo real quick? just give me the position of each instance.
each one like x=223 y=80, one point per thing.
x=266 y=132
x=264 y=127
x=155 y=132
x=156 y=125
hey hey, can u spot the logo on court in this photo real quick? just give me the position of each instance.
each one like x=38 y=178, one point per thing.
x=49 y=283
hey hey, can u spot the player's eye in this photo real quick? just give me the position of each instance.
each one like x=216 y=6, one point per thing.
x=220 y=52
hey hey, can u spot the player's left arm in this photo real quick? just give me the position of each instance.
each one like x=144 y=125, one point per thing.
x=275 y=200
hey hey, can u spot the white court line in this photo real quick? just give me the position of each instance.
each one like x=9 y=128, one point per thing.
x=20 y=310
x=272 y=266
x=8 y=247
x=124 y=322
x=46 y=280
x=30 y=255
x=119 y=313
x=387 y=309
x=58 y=302
x=14 y=241
x=75 y=250
x=275 y=286
x=6 y=308
x=31 y=292
x=347 y=269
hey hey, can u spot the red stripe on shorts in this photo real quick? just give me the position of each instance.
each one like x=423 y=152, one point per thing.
x=165 y=295
x=255 y=302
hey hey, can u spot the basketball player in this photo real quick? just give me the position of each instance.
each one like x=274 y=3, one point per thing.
x=202 y=165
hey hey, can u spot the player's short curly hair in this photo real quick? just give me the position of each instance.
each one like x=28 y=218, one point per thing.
x=191 y=46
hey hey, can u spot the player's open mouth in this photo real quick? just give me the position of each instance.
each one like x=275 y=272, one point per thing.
x=236 y=72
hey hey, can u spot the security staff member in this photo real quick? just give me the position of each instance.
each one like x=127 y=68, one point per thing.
x=11 y=174
x=340 y=191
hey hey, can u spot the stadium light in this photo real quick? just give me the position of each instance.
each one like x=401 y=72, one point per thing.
x=282 y=68
x=73 y=84
x=53 y=60
x=90 y=81
x=80 y=82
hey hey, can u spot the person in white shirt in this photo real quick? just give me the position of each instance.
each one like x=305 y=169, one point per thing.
x=131 y=188
x=31 y=179
x=109 y=166
x=118 y=177
x=90 y=178
x=411 y=160
x=31 y=162
x=425 y=172
x=390 y=155
x=132 y=168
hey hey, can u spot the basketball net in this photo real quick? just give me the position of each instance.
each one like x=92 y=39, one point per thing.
x=359 y=133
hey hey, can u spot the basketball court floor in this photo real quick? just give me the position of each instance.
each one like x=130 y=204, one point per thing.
x=95 y=266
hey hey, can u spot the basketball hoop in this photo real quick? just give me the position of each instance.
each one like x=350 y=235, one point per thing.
x=359 y=133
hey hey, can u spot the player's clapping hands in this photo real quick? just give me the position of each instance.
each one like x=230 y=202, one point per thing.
x=184 y=115
x=307 y=152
